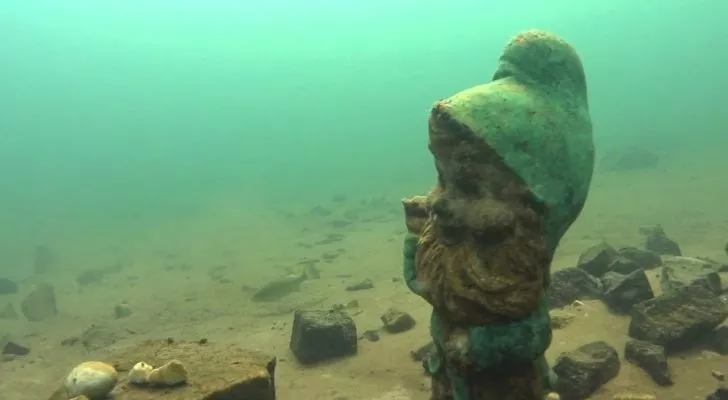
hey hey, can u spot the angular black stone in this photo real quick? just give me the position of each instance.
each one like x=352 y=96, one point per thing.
x=622 y=292
x=645 y=259
x=677 y=319
x=651 y=358
x=421 y=353
x=622 y=265
x=322 y=335
x=720 y=394
x=10 y=345
x=40 y=303
x=396 y=321
x=596 y=259
x=570 y=284
x=656 y=240
x=584 y=370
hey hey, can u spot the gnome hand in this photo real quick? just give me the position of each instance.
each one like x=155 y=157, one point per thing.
x=415 y=213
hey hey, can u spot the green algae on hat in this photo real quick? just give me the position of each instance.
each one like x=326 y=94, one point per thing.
x=534 y=114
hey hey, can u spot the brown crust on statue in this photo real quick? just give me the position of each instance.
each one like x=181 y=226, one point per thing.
x=482 y=251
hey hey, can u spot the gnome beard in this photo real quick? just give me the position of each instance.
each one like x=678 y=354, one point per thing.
x=481 y=261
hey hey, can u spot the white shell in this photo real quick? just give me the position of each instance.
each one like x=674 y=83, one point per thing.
x=92 y=379
x=170 y=374
x=138 y=373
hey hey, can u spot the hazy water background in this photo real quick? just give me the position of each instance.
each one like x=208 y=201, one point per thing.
x=119 y=117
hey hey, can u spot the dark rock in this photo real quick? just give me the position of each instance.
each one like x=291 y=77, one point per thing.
x=678 y=318
x=657 y=241
x=596 y=259
x=396 y=321
x=719 y=340
x=584 y=370
x=40 y=303
x=609 y=279
x=644 y=259
x=44 y=259
x=362 y=285
x=371 y=335
x=683 y=271
x=10 y=345
x=628 y=159
x=122 y=310
x=322 y=335
x=622 y=292
x=623 y=265
x=720 y=394
x=571 y=284
x=421 y=353
x=7 y=286
x=651 y=358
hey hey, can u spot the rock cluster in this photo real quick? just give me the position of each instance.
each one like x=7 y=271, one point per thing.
x=686 y=313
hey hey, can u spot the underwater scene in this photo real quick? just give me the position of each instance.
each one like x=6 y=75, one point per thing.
x=363 y=200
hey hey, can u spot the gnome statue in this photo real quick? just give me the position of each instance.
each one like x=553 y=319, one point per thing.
x=514 y=159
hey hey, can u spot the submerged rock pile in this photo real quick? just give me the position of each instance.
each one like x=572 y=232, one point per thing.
x=687 y=311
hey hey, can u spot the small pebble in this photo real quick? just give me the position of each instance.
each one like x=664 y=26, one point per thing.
x=122 y=310
x=718 y=375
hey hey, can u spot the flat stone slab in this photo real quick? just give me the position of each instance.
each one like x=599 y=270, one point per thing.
x=215 y=372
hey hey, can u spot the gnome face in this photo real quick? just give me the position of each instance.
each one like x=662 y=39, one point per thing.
x=476 y=193
x=481 y=254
